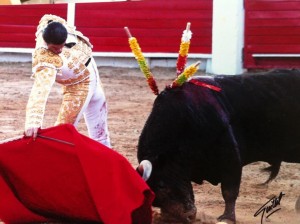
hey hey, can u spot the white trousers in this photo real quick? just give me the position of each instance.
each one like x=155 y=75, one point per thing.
x=87 y=99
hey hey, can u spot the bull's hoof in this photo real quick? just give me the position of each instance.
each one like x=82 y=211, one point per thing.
x=226 y=222
x=226 y=219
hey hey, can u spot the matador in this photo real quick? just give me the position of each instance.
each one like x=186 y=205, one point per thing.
x=66 y=58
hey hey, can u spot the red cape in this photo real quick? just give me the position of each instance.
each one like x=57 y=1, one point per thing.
x=78 y=180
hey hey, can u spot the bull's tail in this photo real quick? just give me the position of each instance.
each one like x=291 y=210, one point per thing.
x=273 y=169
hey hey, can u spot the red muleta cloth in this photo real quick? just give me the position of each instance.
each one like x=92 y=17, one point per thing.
x=77 y=180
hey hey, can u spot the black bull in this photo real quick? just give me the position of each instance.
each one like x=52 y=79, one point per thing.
x=195 y=133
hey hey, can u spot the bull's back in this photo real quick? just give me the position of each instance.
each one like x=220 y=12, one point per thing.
x=264 y=113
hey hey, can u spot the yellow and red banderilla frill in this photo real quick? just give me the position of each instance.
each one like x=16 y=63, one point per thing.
x=185 y=75
x=184 y=49
x=136 y=50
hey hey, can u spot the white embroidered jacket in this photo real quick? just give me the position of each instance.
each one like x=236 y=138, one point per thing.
x=67 y=68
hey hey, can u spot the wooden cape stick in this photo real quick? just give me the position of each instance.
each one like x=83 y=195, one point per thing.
x=56 y=140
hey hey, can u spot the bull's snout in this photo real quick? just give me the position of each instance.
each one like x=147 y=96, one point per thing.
x=190 y=215
x=187 y=216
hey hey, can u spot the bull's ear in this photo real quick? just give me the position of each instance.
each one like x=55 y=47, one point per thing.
x=145 y=169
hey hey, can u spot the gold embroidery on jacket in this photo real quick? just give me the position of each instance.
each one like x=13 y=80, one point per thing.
x=44 y=57
x=75 y=59
x=74 y=97
x=35 y=109
x=73 y=81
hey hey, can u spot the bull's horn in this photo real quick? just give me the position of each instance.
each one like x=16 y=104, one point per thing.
x=145 y=168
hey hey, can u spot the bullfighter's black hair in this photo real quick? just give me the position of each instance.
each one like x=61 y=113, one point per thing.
x=55 y=33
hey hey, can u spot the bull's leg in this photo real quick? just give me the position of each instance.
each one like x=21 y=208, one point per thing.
x=231 y=173
x=230 y=186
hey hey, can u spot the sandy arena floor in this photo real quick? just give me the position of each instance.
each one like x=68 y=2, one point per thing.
x=130 y=100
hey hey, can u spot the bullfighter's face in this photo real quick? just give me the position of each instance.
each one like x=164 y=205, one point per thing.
x=56 y=48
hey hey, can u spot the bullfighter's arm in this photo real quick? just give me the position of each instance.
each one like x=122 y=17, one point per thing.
x=35 y=109
x=45 y=65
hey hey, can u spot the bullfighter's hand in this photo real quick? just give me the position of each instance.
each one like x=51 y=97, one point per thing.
x=31 y=132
